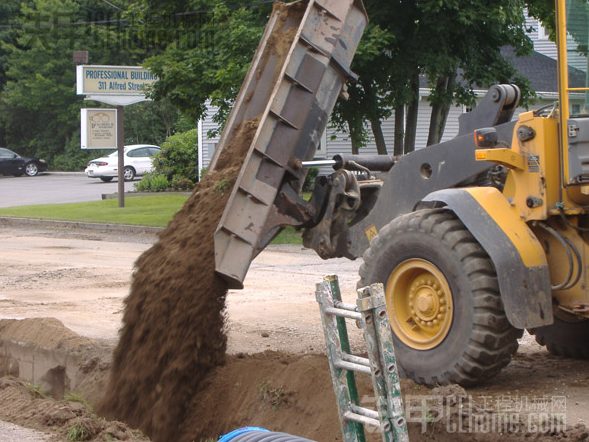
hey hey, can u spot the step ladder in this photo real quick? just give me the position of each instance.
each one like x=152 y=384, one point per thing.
x=370 y=314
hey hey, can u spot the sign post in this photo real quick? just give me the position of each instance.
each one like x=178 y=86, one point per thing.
x=119 y=86
x=121 y=150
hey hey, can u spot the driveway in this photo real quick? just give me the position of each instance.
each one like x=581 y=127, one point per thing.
x=55 y=188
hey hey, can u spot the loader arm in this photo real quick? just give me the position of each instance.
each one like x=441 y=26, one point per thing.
x=441 y=166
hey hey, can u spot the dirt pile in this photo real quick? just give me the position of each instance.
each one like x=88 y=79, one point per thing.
x=48 y=333
x=282 y=392
x=66 y=419
x=293 y=394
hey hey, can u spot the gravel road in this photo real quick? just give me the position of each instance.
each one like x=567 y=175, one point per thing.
x=14 y=433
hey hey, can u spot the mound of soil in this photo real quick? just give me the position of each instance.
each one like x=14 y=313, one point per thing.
x=48 y=333
x=66 y=420
x=291 y=393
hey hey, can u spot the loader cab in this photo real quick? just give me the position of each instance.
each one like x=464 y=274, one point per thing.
x=573 y=74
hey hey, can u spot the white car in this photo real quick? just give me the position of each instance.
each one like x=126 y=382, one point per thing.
x=138 y=160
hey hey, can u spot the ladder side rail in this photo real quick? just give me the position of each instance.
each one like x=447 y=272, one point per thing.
x=379 y=339
x=352 y=431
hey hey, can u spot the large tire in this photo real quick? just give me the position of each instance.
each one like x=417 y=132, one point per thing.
x=429 y=258
x=564 y=338
x=106 y=179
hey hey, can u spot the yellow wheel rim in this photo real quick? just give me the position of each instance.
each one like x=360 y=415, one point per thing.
x=420 y=304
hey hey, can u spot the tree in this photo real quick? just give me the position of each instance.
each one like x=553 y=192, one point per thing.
x=453 y=46
x=39 y=108
x=207 y=56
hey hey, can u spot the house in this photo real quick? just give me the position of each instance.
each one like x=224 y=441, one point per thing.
x=540 y=67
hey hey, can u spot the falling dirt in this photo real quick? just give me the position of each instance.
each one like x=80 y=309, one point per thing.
x=173 y=326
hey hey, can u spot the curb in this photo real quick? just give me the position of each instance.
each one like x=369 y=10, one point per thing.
x=45 y=223
x=63 y=173
x=110 y=196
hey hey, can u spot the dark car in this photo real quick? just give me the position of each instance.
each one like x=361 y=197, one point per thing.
x=13 y=164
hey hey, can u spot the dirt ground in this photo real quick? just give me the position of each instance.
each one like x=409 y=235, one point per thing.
x=277 y=375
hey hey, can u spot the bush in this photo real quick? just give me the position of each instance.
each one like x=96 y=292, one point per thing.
x=181 y=183
x=310 y=179
x=153 y=182
x=179 y=157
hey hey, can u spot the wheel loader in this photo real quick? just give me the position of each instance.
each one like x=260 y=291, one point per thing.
x=476 y=239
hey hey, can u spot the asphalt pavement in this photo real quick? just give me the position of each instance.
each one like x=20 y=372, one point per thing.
x=55 y=188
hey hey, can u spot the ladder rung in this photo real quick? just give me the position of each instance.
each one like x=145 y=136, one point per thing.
x=343 y=313
x=365 y=411
x=343 y=305
x=356 y=359
x=348 y=415
x=352 y=366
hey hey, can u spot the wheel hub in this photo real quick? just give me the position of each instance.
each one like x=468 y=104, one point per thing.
x=420 y=304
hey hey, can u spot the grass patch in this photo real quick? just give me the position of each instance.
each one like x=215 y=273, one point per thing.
x=288 y=236
x=75 y=397
x=152 y=210
x=35 y=391
x=79 y=432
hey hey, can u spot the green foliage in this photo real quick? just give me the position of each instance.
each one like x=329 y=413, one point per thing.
x=36 y=391
x=181 y=183
x=179 y=157
x=310 y=179
x=76 y=397
x=544 y=11
x=153 y=182
x=434 y=39
x=210 y=54
x=204 y=57
x=222 y=186
x=151 y=122
x=39 y=108
x=79 y=432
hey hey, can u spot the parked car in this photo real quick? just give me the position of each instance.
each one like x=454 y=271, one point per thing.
x=138 y=160
x=12 y=163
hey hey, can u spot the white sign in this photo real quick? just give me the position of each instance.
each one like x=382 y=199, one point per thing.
x=113 y=80
x=99 y=129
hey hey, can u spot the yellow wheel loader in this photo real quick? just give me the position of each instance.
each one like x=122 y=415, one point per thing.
x=475 y=239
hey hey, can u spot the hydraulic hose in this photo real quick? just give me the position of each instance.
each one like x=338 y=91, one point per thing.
x=567 y=246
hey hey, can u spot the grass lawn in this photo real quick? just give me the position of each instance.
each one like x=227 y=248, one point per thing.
x=152 y=210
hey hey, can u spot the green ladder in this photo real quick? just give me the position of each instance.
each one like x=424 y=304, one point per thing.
x=370 y=314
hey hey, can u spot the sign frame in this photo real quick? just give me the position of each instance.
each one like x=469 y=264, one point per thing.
x=86 y=134
x=120 y=76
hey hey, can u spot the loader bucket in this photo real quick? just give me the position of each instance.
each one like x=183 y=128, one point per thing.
x=300 y=68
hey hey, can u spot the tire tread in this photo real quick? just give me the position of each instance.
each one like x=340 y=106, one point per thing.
x=494 y=340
